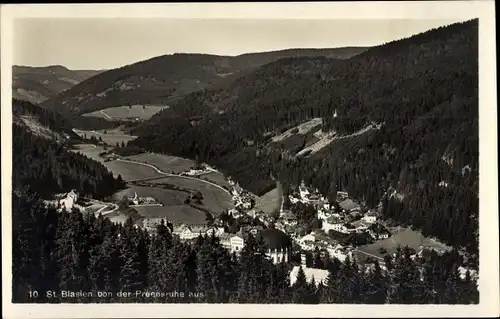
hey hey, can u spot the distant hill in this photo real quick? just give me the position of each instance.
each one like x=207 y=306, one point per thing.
x=163 y=80
x=37 y=84
x=396 y=125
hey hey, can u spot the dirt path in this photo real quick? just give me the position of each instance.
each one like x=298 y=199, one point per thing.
x=106 y=115
x=169 y=174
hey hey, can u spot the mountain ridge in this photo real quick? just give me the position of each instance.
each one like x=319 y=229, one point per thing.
x=37 y=84
x=165 y=78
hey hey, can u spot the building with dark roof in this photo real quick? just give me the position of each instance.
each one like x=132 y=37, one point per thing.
x=278 y=244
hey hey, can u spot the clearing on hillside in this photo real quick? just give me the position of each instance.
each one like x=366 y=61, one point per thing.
x=302 y=129
x=270 y=202
x=89 y=150
x=110 y=137
x=125 y=112
x=403 y=237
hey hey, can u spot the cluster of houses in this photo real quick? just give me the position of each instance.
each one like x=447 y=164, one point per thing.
x=348 y=217
x=198 y=170
x=136 y=200
x=242 y=199
x=278 y=243
x=326 y=244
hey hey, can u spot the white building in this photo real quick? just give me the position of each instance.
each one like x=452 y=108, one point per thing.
x=186 y=232
x=318 y=275
x=232 y=242
x=247 y=205
x=307 y=242
x=151 y=223
x=135 y=199
x=370 y=217
x=324 y=214
x=69 y=201
x=289 y=218
x=340 y=252
x=304 y=193
x=332 y=223
x=293 y=199
x=342 y=195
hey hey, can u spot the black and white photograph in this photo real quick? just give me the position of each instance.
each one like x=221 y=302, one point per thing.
x=268 y=161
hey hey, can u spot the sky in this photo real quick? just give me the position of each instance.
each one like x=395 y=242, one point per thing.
x=108 y=43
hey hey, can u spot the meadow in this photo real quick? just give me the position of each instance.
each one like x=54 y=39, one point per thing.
x=125 y=112
x=166 y=163
x=400 y=238
x=89 y=150
x=131 y=171
x=173 y=204
x=215 y=199
x=217 y=178
x=110 y=137
x=270 y=202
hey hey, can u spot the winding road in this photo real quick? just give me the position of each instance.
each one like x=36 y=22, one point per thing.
x=106 y=115
x=168 y=174
x=100 y=211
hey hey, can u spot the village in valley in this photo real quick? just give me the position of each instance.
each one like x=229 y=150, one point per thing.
x=340 y=229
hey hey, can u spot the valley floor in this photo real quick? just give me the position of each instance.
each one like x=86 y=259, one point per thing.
x=158 y=169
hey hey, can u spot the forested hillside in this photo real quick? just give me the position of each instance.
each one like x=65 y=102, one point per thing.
x=405 y=134
x=47 y=167
x=42 y=122
x=69 y=252
x=164 y=79
x=37 y=84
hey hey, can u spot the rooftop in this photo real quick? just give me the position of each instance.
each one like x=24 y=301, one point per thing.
x=334 y=220
x=348 y=204
x=275 y=239
x=319 y=275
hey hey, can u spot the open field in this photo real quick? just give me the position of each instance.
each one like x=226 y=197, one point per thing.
x=111 y=137
x=128 y=112
x=89 y=150
x=131 y=171
x=174 y=208
x=270 y=201
x=165 y=163
x=405 y=237
x=217 y=178
x=214 y=199
x=167 y=197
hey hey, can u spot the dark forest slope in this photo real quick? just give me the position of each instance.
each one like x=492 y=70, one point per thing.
x=42 y=161
x=42 y=122
x=163 y=79
x=420 y=93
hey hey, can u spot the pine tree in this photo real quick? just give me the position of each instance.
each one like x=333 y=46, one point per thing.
x=130 y=276
x=376 y=290
x=406 y=285
x=300 y=289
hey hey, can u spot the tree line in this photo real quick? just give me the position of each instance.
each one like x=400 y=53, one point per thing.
x=70 y=251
